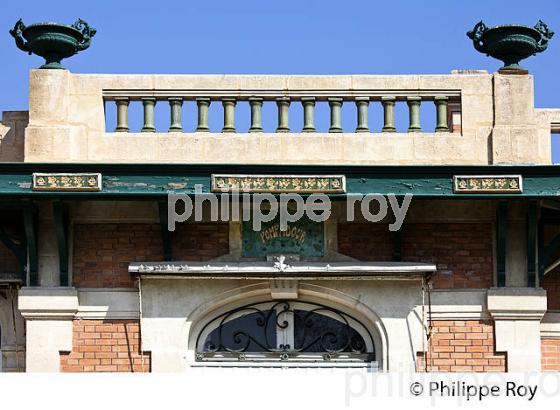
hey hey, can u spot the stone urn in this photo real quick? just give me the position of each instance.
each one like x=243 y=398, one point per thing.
x=510 y=43
x=53 y=41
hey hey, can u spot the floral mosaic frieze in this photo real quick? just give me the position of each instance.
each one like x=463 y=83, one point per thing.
x=67 y=182
x=279 y=183
x=488 y=184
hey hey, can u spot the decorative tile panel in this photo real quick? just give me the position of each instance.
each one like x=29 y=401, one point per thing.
x=66 y=182
x=487 y=184
x=303 y=237
x=279 y=183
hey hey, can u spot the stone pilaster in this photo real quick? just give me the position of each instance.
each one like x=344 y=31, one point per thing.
x=517 y=313
x=515 y=137
x=48 y=313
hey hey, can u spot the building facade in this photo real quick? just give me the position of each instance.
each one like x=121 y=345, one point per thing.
x=93 y=280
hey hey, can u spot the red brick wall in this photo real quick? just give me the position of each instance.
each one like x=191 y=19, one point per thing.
x=102 y=252
x=365 y=242
x=462 y=346
x=550 y=355
x=463 y=252
x=105 y=346
x=200 y=242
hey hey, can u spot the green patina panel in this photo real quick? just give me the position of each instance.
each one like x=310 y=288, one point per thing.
x=303 y=237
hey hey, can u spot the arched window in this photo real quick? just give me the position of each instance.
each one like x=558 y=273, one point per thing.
x=285 y=331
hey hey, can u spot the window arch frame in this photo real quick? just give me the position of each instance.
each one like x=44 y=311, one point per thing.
x=291 y=357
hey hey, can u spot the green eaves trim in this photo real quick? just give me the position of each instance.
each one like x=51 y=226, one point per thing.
x=156 y=180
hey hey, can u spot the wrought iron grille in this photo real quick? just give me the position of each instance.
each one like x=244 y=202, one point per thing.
x=285 y=331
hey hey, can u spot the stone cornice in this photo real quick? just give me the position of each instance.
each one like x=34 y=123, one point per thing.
x=45 y=303
x=108 y=304
x=281 y=269
x=517 y=303
x=550 y=325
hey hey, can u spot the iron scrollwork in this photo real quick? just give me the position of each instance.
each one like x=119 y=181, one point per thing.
x=320 y=332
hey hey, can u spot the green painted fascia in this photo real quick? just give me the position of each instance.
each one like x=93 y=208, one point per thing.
x=149 y=180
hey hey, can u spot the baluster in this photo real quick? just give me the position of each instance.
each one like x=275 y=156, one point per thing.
x=202 y=104
x=283 y=104
x=414 y=113
x=229 y=114
x=149 y=104
x=362 y=104
x=122 y=114
x=388 y=114
x=175 y=108
x=256 y=114
x=308 y=114
x=335 y=105
x=441 y=113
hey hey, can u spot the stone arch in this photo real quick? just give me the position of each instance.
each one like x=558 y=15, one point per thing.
x=309 y=292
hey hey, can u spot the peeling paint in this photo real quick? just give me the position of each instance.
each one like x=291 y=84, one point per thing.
x=408 y=185
x=176 y=185
x=130 y=185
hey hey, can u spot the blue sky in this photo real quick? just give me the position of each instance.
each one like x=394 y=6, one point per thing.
x=275 y=37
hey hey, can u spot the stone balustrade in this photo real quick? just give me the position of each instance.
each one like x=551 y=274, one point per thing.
x=466 y=117
x=447 y=109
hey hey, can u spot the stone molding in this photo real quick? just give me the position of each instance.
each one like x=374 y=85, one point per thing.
x=550 y=325
x=284 y=289
x=517 y=303
x=457 y=304
x=280 y=269
x=108 y=304
x=48 y=303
